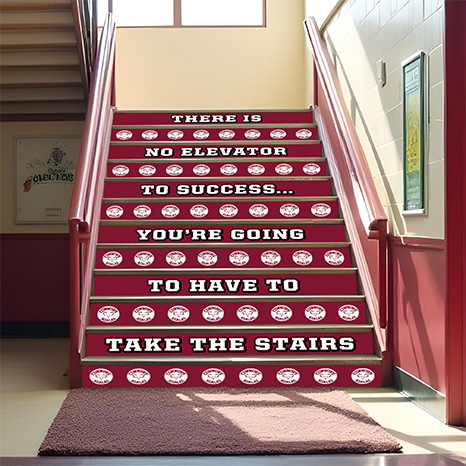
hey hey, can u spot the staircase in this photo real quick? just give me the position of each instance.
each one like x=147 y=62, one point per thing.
x=223 y=259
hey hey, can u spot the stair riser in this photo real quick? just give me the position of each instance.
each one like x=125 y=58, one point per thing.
x=145 y=189
x=227 y=152
x=218 y=169
x=233 y=376
x=165 y=118
x=137 y=258
x=213 y=134
x=264 y=343
x=137 y=285
x=229 y=233
x=228 y=209
x=227 y=313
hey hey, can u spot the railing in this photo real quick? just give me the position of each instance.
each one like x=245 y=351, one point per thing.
x=364 y=215
x=87 y=193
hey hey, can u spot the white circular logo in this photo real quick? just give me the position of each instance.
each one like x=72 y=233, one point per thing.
x=170 y=211
x=289 y=210
x=112 y=258
x=213 y=376
x=271 y=258
x=124 y=135
x=226 y=134
x=174 y=170
x=114 y=211
x=175 y=258
x=239 y=258
x=228 y=169
x=325 y=376
x=199 y=210
x=147 y=170
x=362 y=376
x=201 y=170
x=321 y=210
x=150 y=135
x=176 y=376
x=144 y=258
x=284 y=169
x=143 y=314
x=120 y=170
x=213 y=313
x=108 y=314
x=281 y=313
x=256 y=169
x=311 y=169
x=142 y=211
x=252 y=134
x=302 y=257
x=315 y=313
x=207 y=258
x=334 y=257
x=101 y=376
x=258 y=210
x=250 y=376
x=138 y=376
x=288 y=376
x=303 y=134
x=348 y=312
x=277 y=134
x=228 y=210
x=247 y=313
x=201 y=134
x=175 y=134
x=178 y=313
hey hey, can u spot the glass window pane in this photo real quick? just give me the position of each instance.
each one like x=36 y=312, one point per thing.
x=138 y=12
x=221 y=12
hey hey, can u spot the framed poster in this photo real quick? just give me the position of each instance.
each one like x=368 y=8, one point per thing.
x=413 y=134
x=44 y=175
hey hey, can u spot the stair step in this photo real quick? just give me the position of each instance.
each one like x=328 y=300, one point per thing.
x=140 y=117
x=217 y=168
x=222 y=257
x=277 y=281
x=224 y=150
x=263 y=310
x=322 y=208
x=118 y=188
x=241 y=233
x=271 y=371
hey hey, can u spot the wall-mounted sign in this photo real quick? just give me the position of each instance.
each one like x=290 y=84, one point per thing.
x=44 y=175
x=413 y=133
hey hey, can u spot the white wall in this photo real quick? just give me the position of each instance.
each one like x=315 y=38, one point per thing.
x=363 y=32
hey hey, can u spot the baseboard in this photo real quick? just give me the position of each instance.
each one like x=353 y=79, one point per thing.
x=420 y=393
x=35 y=329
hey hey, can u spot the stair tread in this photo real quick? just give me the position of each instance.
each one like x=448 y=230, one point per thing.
x=276 y=159
x=235 y=142
x=136 y=222
x=217 y=125
x=297 y=244
x=131 y=200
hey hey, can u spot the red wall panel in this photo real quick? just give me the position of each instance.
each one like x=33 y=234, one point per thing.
x=35 y=279
x=417 y=308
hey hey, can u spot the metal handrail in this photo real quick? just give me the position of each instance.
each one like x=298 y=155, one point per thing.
x=87 y=192
x=371 y=214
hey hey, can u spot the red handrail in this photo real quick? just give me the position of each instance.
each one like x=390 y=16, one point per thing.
x=359 y=201
x=87 y=193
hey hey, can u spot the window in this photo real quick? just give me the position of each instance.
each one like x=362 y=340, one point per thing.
x=185 y=13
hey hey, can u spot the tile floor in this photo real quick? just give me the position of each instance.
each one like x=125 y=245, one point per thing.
x=33 y=386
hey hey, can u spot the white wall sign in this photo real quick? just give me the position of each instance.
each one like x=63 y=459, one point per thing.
x=44 y=175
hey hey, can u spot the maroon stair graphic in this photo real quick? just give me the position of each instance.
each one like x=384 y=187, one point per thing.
x=222 y=258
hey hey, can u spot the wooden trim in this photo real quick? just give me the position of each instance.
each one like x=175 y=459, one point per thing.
x=36 y=85
x=417 y=242
x=38 y=46
x=455 y=209
x=176 y=13
x=29 y=6
x=20 y=26
x=42 y=117
x=40 y=67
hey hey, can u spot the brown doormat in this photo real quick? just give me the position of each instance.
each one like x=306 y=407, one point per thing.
x=227 y=421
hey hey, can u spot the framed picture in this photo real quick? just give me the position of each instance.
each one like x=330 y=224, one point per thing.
x=414 y=122
x=44 y=175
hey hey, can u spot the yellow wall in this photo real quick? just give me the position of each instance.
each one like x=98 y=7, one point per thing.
x=22 y=129
x=215 y=68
